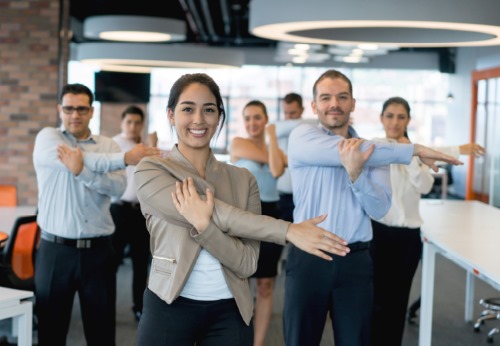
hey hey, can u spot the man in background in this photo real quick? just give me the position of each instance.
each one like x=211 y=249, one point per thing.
x=292 y=109
x=130 y=224
x=77 y=174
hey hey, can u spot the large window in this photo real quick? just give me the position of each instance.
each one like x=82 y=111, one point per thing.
x=425 y=90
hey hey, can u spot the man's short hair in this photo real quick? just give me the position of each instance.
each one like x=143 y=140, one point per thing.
x=332 y=74
x=133 y=110
x=293 y=97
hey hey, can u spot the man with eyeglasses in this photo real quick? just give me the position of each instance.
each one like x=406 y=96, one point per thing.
x=77 y=173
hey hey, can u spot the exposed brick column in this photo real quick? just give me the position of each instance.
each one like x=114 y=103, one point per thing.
x=30 y=54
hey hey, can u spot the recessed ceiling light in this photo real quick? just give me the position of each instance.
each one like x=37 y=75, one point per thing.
x=351 y=59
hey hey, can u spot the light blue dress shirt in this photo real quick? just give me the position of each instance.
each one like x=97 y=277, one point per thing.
x=321 y=185
x=77 y=206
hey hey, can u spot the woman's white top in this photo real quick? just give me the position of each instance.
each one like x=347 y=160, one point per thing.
x=408 y=182
x=206 y=281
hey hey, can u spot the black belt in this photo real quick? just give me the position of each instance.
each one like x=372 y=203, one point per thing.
x=133 y=205
x=359 y=245
x=85 y=243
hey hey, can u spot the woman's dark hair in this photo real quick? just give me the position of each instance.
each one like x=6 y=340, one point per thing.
x=400 y=101
x=186 y=80
x=257 y=103
x=76 y=89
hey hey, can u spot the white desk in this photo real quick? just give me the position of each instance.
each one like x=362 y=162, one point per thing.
x=12 y=306
x=8 y=216
x=467 y=233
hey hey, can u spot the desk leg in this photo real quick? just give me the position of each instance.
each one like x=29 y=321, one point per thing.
x=469 y=296
x=22 y=315
x=25 y=328
x=427 y=294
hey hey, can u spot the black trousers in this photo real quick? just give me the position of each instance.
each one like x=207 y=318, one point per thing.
x=60 y=272
x=270 y=253
x=130 y=229
x=396 y=252
x=286 y=206
x=188 y=322
x=315 y=287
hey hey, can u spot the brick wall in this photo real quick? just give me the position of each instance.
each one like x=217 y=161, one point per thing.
x=29 y=69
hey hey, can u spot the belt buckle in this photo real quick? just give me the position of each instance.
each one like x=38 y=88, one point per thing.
x=83 y=243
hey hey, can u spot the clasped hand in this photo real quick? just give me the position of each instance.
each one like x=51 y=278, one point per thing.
x=72 y=159
x=352 y=158
x=196 y=210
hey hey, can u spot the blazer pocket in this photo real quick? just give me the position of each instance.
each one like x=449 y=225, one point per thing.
x=163 y=265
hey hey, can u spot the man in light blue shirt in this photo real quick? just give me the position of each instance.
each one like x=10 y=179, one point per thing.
x=77 y=173
x=292 y=109
x=336 y=173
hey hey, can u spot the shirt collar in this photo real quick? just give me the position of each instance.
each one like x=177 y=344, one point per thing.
x=351 y=131
x=90 y=138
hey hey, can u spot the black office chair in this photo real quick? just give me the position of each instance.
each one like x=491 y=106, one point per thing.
x=491 y=312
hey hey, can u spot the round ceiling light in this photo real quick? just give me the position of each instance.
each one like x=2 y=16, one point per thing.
x=134 y=28
x=424 y=23
x=142 y=57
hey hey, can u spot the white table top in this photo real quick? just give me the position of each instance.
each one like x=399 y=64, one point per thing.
x=8 y=216
x=467 y=231
x=9 y=296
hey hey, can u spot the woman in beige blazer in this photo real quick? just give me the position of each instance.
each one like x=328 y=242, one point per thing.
x=205 y=227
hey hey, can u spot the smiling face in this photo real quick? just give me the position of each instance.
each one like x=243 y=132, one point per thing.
x=75 y=123
x=395 y=120
x=195 y=117
x=255 y=120
x=333 y=104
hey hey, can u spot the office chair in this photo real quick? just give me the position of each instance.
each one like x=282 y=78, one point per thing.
x=8 y=196
x=491 y=312
x=17 y=269
x=17 y=261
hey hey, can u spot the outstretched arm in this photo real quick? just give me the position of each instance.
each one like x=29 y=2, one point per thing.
x=309 y=145
x=109 y=183
x=429 y=157
x=305 y=235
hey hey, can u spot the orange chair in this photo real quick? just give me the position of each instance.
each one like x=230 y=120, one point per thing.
x=17 y=269
x=8 y=196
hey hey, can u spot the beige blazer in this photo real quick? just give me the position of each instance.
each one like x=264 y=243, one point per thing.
x=175 y=244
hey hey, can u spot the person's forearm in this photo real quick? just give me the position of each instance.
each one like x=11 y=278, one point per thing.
x=239 y=255
x=276 y=162
x=111 y=184
x=104 y=162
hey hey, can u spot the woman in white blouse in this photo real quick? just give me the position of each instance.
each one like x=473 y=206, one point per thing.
x=396 y=246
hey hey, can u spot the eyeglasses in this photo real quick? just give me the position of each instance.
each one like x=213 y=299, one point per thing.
x=82 y=110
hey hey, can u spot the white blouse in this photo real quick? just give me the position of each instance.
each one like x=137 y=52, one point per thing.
x=408 y=182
